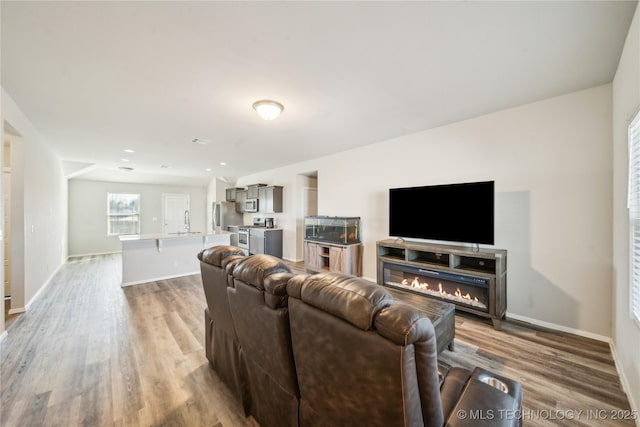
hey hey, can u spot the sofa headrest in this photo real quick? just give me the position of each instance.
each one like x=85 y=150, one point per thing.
x=215 y=254
x=403 y=324
x=254 y=269
x=275 y=289
x=353 y=299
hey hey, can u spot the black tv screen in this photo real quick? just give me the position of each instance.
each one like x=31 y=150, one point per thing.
x=454 y=212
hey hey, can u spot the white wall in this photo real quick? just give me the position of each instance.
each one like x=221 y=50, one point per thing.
x=551 y=162
x=45 y=206
x=626 y=101
x=88 y=212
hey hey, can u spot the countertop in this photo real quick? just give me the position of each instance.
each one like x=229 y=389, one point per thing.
x=164 y=236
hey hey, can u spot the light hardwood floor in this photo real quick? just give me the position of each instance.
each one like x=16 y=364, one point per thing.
x=89 y=352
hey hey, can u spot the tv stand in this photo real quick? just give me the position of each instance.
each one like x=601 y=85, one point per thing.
x=473 y=279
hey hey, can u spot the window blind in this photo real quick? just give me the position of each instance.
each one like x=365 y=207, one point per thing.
x=634 y=215
x=123 y=214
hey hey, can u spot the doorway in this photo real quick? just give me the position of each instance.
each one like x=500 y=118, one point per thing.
x=6 y=186
x=13 y=266
x=308 y=192
x=176 y=217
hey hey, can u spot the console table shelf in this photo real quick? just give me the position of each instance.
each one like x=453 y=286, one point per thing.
x=474 y=280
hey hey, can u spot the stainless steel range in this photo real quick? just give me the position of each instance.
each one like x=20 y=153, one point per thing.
x=244 y=240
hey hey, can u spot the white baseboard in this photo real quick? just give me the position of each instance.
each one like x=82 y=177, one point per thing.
x=3 y=336
x=46 y=283
x=623 y=380
x=92 y=254
x=17 y=310
x=560 y=328
x=155 y=279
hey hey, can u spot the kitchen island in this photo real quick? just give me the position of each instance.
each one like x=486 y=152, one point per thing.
x=151 y=257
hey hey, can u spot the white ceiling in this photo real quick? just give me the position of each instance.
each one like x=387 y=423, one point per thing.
x=98 y=77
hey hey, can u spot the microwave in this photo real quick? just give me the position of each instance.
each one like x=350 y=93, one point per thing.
x=251 y=205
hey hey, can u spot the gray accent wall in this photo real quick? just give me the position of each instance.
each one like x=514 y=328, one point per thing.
x=88 y=212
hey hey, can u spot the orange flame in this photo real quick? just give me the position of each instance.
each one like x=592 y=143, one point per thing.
x=441 y=292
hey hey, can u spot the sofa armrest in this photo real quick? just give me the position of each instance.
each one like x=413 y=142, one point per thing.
x=488 y=400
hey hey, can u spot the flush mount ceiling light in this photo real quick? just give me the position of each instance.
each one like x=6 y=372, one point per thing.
x=268 y=109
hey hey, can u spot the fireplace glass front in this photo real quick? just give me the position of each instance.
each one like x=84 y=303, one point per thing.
x=462 y=290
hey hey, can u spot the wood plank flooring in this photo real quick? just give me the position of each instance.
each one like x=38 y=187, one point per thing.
x=89 y=352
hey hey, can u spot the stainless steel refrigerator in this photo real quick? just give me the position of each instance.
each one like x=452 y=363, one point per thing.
x=224 y=214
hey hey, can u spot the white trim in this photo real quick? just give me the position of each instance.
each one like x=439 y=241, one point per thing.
x=293 y=260
x=92 y=254
x=17 y=310
x=623 y=380
x=46 y=283
x=155 y=279
x=37 y=294
x=560 y=328
x=109 y=214
x=3 y=336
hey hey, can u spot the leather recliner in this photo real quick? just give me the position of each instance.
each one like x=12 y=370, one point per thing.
x=258 y=302
x=331 y=349
x=362 y=359
x=221 y=343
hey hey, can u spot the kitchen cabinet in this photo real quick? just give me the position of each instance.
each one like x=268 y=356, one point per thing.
x=241 y=198
x=346 y=259
x=252 y=190
x=265 y=241
x=230 y=194
x=270 y=199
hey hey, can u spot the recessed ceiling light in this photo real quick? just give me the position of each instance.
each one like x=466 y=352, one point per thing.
x=223 y=163
x=268 y=109
x=208 y=169
x=165 y=166
x=128 y=150
x=125 y=169
x=201 y=141
x=124 y=160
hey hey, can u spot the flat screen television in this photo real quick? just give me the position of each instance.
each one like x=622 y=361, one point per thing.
x=461 y=212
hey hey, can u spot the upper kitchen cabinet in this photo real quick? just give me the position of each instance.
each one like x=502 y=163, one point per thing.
x=241 y=198
x=270 y=199
x=253 y=190
x=231 y=194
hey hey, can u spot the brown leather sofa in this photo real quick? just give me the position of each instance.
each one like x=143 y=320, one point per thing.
x=221 y=342
x=330 y=349
x=258 y=303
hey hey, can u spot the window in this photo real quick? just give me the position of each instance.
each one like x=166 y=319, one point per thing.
x=634 y=216
x=123 y=214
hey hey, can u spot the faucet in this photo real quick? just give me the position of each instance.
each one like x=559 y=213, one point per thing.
x=187 y=221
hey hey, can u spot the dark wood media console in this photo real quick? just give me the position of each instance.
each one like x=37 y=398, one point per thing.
x=474 y=280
